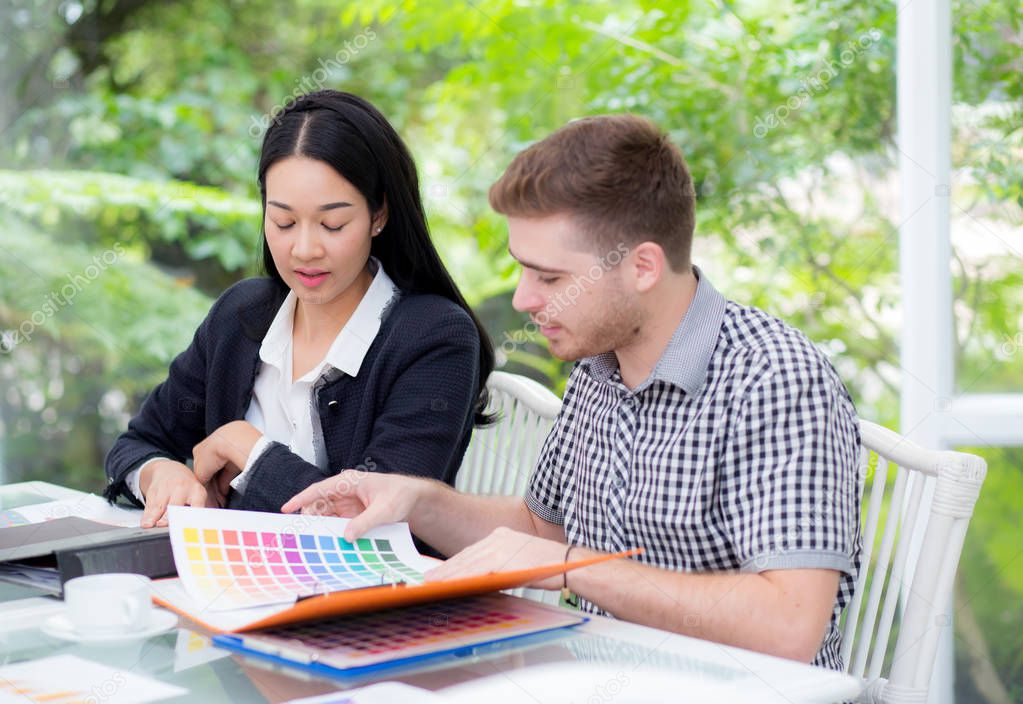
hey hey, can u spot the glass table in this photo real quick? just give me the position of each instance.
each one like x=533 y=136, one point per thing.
x=624 y=651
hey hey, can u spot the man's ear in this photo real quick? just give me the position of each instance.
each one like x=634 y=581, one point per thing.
x=379 y=219
x=647 y=265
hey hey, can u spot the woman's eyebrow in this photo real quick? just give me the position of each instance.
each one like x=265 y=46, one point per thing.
x=328 y=206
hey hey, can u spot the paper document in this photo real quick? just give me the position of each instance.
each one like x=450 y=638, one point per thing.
x=44 y=578
x=91 y=507
x=63 y=679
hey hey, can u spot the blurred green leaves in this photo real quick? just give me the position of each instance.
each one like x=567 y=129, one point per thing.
x=106 y=299
x=101 y=208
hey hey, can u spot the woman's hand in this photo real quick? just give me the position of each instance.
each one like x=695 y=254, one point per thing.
x=221 y=457
x=166 y=483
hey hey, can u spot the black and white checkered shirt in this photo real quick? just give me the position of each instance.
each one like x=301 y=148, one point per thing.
x=739 y=452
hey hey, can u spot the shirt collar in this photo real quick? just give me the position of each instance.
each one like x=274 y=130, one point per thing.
x=349 y=348
x=685 y=360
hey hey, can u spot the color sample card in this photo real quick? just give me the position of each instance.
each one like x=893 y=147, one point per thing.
x=68 y=679
x=382 y=636
x=234 y=559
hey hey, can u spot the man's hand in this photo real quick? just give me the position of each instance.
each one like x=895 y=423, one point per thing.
x=166 y=483
x=368 y=498
x=218 y=459
x=502 y=551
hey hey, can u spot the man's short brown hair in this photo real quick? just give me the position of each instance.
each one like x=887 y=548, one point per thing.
x=618 y=176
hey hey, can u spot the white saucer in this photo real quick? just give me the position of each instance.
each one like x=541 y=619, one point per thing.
x=59 y=626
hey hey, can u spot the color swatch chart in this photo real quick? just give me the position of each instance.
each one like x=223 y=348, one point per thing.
x=367 y=639
x=234 y=559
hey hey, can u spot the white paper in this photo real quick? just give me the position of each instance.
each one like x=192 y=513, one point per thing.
x=89 y=506
x=380 y=693
x=69 y=678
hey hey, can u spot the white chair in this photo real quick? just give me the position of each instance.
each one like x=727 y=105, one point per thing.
x=500 y=457
x=933 y=543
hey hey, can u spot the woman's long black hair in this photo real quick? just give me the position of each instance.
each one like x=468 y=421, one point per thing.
x=352 y=137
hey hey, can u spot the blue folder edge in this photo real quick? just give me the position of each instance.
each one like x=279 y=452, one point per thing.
x=235 y=643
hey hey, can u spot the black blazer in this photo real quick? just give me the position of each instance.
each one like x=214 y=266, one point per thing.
x=409 y=410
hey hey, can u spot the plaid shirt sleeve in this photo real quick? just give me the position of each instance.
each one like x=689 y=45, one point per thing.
x=789 y=482
x=543 y=495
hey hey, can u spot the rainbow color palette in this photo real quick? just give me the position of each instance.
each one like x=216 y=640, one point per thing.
x=235 y=559
x=407 y=634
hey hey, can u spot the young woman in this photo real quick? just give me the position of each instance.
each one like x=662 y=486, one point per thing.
x=357 y=350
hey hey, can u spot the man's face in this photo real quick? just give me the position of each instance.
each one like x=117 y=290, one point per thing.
x=582 y=301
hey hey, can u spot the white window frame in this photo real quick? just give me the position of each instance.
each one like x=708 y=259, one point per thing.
x=932 y=414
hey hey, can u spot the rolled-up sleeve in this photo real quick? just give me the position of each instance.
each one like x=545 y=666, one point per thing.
x=790 y=491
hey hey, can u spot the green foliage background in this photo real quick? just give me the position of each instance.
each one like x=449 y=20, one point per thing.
x=130 y=131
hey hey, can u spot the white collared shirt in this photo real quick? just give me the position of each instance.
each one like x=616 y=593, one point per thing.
x=282 y=409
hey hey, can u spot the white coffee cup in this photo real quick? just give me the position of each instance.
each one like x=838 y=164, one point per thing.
x=108 y=604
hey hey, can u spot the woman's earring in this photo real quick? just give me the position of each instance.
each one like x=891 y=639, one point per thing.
x=379 y=229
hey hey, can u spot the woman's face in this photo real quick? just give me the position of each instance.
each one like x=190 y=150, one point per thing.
x=318 y=227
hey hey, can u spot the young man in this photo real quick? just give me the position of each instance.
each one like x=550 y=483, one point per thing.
x=710 y=434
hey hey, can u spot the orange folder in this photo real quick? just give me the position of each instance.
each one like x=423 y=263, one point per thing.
x=170 y=594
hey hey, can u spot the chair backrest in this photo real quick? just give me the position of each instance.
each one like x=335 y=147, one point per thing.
x=500 y=457
x=908 y=561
